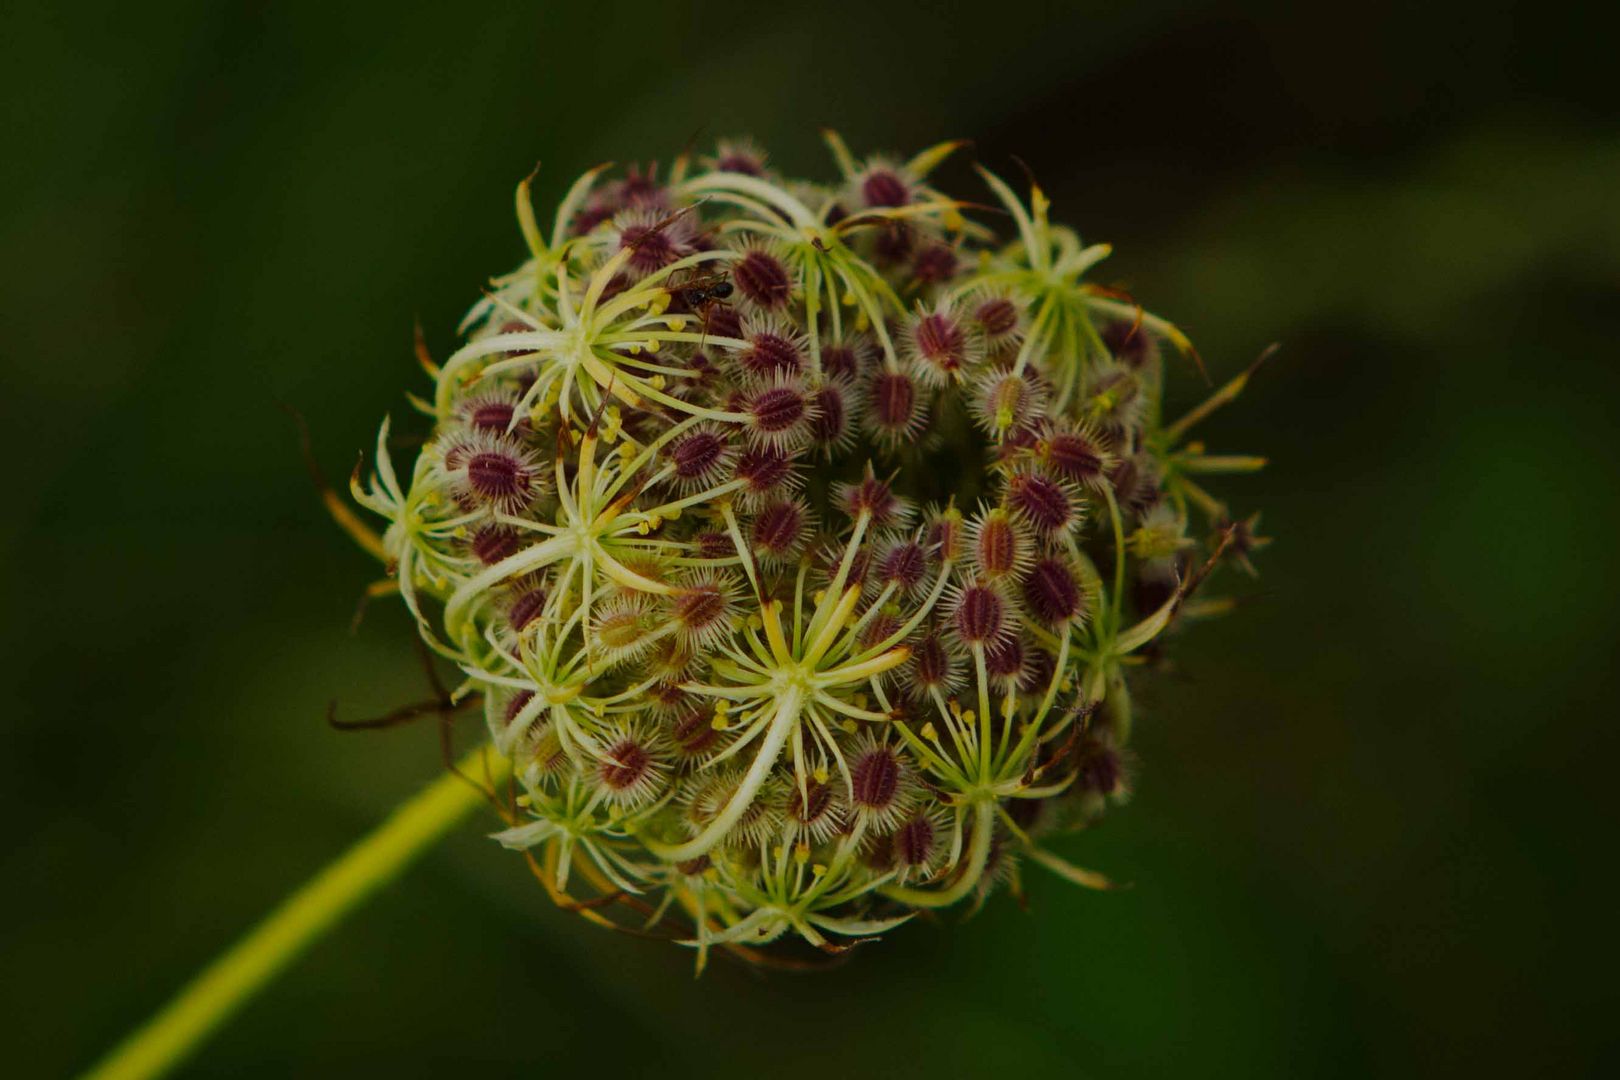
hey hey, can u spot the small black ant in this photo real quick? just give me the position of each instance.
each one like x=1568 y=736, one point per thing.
x=702 y=294
x=699 y=293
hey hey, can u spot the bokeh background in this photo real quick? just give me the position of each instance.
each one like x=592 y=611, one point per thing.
x=1370 y=835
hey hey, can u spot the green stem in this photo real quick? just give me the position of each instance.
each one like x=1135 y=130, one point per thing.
x=1119 y=556
x=253 y=961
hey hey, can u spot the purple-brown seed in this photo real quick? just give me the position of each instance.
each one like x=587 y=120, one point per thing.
x=1128 y=341
x=1007 y=405
x=1039 y=668
x=840 y=360
x=893 y=404
x=931 y=665
x=1136 y=483
x=904 y=565
x=768 y=354
x=525 y=608
x=653 y=250
x=830 y=423
x=777 y=409
x=694 y=733
x=1053 y=594
x=871 y=496
x=698 y=456
x=1042 y=502
x=764 y=468
x=881 y=627
x=701 y=607
x=980 y=616
x=715 y=545
x=997 y=317
x=1100 y=768
x=779 y=528
x=874 y=778
x=998 y=548
x=915 y=842
x=941 y=341
x=625 y=765
x=1073 y=455
x=492 y=543
x=519 y=701
x=1004 y=661
x=884 y=188
x=723 y=321
x=493 y=416
x=737 y=161
x=497 y=477
x=813 y=805
x=945 y=536
x=894 y=244
x=934 y=264
x=762 y=278
x=694 y=867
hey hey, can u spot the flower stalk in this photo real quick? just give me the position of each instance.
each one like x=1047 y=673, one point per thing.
x=249 y=965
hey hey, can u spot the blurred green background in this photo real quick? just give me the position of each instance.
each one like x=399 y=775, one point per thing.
x=1369 y=835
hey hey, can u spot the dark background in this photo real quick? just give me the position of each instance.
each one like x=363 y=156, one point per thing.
x=1369 y=834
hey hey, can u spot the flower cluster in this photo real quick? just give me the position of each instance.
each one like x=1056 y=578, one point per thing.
x=799 y=538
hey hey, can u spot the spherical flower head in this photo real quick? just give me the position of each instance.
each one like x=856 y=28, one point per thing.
x=812 y=813
x=999 y=320
x=1007 y=664
x=693 y=736
x=934 y=264
x=626 y=626
x=494 y=412
x=918 y=845
x=800 y=536
x=946 y=537
x=882 y=185
x=523 y=602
